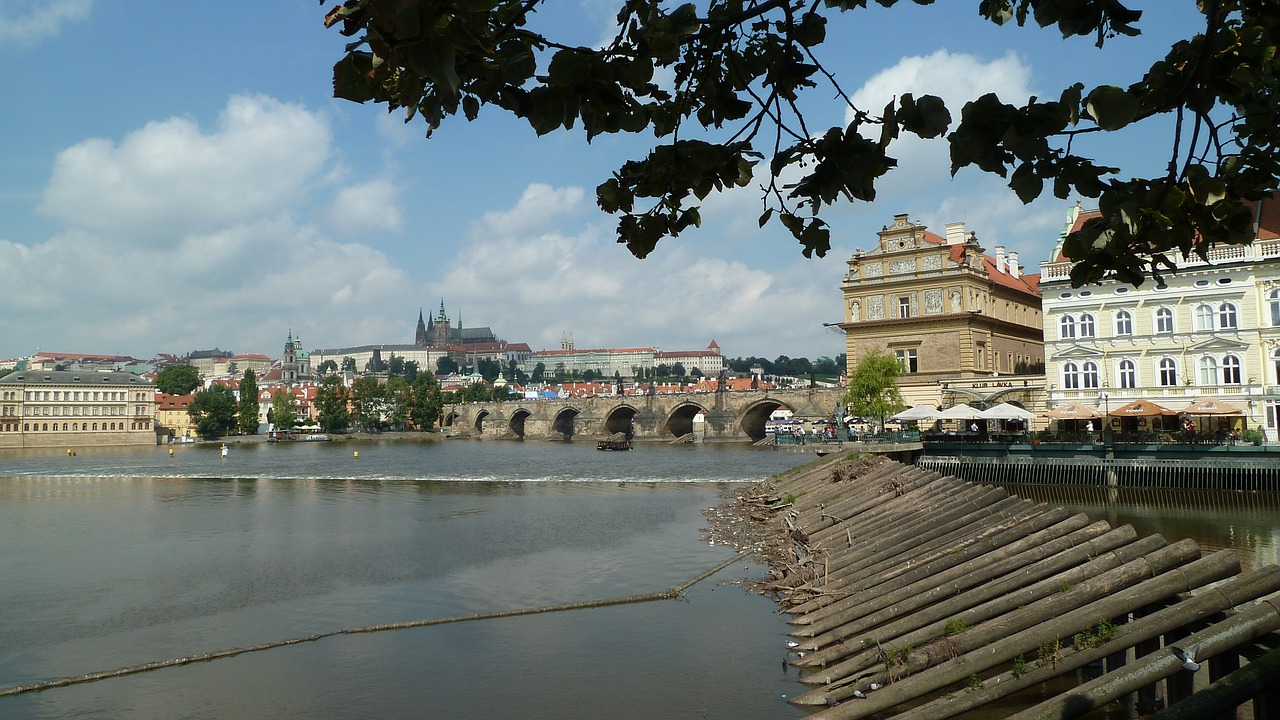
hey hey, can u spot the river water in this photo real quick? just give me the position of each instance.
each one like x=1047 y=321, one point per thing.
x=117 y=557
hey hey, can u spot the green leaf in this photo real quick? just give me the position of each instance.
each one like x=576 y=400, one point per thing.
x=1111 y=107
x=352 y=78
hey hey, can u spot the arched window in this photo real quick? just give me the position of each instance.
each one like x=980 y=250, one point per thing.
x=1128 y=375
x=64 y=427
x=1228 y=318
x=1164 y=320
x=45 y=426
x=1275 y=363
x=1070 y=376
x=1067 y=327
x=1168 y=374
x=1087 y=326
x=1273 y=304
x=1231 y=370
x=1208 y=371
x=1124 y=323
x=1091 y=375
x=95 y=426
x=1204 y=317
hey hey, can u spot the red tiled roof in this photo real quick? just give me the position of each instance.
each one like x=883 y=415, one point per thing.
x=165 y=401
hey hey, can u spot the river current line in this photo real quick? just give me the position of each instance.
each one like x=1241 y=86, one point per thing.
x=668 y=594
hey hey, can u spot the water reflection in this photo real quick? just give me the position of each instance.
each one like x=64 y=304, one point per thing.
x=104 y=571
x=1246 y=522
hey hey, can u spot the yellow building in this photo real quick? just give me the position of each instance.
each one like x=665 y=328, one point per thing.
x=960 y=321
x=172 y=417
x=70 y=408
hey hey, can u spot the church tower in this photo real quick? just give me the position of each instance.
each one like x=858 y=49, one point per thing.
x=289 y=363
x=440 y=336
x=420 y=337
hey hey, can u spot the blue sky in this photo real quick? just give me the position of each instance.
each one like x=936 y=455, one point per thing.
x=177 y=176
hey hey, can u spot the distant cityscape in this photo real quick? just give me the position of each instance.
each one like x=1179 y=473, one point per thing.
x=82 y=397
x=965 y=326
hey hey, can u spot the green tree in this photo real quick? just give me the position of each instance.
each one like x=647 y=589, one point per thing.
x=677 y=370
x=515 y=374
x=331 y=405
x=178 y=379
x=395 y=366
x=446 y=365
x=213 y=411
x=248 y=415
x=476 y=392
x=349 y=364
x=738 y=71
x=398 y=397
x=873 y=387
x=328 y=366
x=283 y=414
x=368 y=400
x=426 y=402
x=411 y=371
x=488 y=369
x=539 y=372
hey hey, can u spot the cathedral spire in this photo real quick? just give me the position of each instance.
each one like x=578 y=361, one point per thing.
x=420 y=337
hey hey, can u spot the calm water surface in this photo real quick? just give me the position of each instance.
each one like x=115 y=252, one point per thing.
x=119 y=557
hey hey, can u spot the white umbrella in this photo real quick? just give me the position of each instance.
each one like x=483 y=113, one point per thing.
x=919 y=412
x=959 y=412
x=1007 y=411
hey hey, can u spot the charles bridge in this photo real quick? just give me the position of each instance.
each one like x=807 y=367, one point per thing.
x=727 y=416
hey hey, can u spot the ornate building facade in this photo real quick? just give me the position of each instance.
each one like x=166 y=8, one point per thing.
x=76 y=408
x=438 y=333
x=955 y=317
x=1210 y=329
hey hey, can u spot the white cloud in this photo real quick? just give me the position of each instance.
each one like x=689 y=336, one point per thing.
x=170 y=179
x=954 y=77
x=367 y=207
x=240 y=265
x=27 y=23
x=536 y=271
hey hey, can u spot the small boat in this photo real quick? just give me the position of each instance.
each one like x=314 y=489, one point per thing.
x=613 y=445
x=318 y=437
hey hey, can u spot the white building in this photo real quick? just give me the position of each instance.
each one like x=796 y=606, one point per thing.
x=1211 y=329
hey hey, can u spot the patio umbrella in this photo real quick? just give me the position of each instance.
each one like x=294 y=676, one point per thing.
x=1007 y=411
x=1141 y=408
x=919 y=412
x=1073 y=411
x=1211 y=406
x=959 y=412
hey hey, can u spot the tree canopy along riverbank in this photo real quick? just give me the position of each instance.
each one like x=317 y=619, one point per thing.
x=917 y=595
x=720 y=86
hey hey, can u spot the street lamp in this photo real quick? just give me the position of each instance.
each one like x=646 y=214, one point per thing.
x=1106 y=417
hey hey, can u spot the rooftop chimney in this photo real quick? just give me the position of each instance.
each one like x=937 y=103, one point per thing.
x=955 y=233
x=1014 y=270
x=1000 y=260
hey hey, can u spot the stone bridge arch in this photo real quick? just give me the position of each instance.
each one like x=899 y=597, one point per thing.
x=680 y=420
x=755 y=415
x=517 y=421
x=620 y=420
x=564 y=422
x=449 y=419
x=478 y=425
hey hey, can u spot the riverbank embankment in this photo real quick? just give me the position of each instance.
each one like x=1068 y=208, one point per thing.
x=915 y=594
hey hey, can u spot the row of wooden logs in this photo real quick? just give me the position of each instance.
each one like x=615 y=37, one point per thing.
x=922 y=596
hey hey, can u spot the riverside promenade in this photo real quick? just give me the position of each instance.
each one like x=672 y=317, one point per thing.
x=919 y=595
